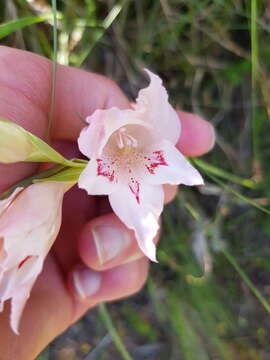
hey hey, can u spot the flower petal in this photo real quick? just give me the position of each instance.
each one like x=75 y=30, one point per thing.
x=25 y=281
x=153 y=107
x=36 y=213
x=103 y=123
x=18 y=303
x=16 y=284
x=98 y=181
x=6 y=202
x=174 y=169
x=140 y=216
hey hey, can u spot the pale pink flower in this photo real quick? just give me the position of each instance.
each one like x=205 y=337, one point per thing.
x=29 y=223
x=132 y=153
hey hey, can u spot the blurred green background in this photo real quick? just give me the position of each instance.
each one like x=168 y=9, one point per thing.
x=208 y=296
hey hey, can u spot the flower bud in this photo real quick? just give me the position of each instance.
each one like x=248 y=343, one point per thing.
x=30 y=220
x=14 y=143
x=17 y=144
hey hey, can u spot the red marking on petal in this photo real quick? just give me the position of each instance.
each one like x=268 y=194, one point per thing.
x=152 y=172
x=24 y=261
x=135 y=189
x=104 y=169
x=157 y=159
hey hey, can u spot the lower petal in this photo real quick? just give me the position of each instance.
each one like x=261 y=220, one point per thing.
x=141 y=216
x=96 y=183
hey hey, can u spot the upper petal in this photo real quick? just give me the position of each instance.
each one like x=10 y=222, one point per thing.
x=139 y=210
x=153 y=107
x=174 y=168
x=103 y=123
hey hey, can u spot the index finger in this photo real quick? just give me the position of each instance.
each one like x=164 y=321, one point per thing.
x=25 y=96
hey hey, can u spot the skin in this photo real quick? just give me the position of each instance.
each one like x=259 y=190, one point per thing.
x=55 y=302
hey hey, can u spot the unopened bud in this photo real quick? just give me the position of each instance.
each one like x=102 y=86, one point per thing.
x=14 y=143
x=17 y=144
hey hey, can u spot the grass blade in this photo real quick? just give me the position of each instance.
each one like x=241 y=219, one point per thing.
x=247 y=281
x=113 y=332
x=239 y=195
x=53 y=87
x=115 y=11
x=10 y=27
x=224 y=174
x=254 y=43
x=254 y=78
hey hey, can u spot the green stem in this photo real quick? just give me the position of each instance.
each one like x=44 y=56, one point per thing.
x=210 y=169
x=104 y=313
x=237 y=267
x=247 y=281
x=239 y=195
x=26 y=182
x=254 y=43
x=254 y=77
x=54 y=66
x=75 y=163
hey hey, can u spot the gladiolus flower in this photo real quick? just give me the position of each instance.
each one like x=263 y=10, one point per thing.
x=132 y=153
x=29 y=223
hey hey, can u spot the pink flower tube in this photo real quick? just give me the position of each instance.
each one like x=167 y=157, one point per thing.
x=30 y=220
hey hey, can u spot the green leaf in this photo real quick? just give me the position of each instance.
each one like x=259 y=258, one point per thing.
x=210 y=169
x=14 y=25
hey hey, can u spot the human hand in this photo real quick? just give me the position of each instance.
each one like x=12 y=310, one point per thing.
x=95 y=258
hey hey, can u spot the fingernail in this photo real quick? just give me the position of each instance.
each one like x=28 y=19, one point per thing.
x=133 y=257
x=213 y=136
x=110 y=242
x=86 y=282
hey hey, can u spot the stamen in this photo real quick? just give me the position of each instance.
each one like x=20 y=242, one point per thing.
x=120 y=140
x=131 y=141
x=125 y=140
